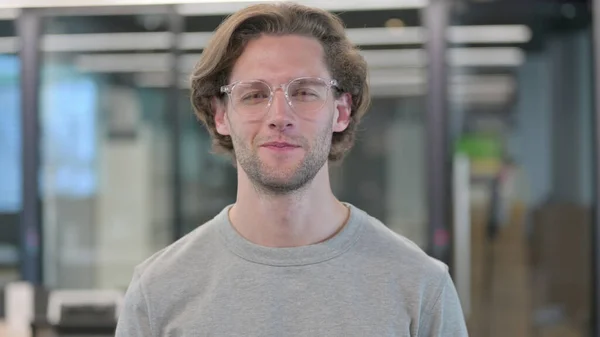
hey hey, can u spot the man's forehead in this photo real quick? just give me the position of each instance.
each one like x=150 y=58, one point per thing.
x=280 y=59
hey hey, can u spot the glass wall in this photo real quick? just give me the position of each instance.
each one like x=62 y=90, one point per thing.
x=106 y=170
x=524 y=142
x=384 y=174
x=10 y=148
x=208 y=180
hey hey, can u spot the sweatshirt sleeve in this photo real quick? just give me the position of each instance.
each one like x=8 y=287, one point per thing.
x=134 y=320
x=445 y=317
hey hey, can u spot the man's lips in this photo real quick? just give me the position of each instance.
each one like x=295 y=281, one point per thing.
x=280 y=145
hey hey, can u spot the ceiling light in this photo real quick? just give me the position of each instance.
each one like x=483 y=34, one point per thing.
x=394 y=23
x=116 y=63
x=395 y=58
x=202 y=7
x=486 y=57
x=228 y=7
x=106 y=42
x=489 y=34
x=197 y=40
x=383 y=36
x=463 y=89
x=8 y=13
x=95 y=3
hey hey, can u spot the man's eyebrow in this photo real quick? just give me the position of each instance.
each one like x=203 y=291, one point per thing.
x=249 y=79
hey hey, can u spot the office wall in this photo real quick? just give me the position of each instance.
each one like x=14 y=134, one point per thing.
x=571 y=108
x=551 y=138
x=68 y=177
x=405 y=170
x=531 y=136
x=10 y=132
x=114 y=211
x=123 y=235
x=384 y=174
x=586 y=108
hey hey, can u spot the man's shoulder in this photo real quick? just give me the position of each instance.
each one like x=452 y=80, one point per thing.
x=420 y=277
x=191 y=249
x=398 y=251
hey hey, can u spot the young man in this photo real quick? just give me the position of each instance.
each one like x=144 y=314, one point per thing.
x=281 y=89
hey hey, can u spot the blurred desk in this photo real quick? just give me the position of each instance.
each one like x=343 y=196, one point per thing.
x=4 y=332
x=44 y=330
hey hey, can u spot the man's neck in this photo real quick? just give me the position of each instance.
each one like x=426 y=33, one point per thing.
x=307 y=217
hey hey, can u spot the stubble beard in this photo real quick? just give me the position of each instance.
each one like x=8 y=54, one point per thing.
x=275 y=181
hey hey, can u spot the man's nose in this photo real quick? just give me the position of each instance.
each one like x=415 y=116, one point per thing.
x=280 y=114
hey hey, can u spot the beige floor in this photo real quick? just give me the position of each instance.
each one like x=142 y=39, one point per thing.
x=511 y=310
x=5 y=332
x=500 y=286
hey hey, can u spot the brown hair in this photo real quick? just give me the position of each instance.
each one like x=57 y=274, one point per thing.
x=343 y=59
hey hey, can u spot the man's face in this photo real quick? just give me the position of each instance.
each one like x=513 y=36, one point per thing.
x=282 y=149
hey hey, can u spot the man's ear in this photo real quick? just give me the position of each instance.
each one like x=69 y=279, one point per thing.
x=343 y=106
x=221 y=122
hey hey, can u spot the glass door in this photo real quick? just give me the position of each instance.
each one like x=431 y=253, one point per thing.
x=105 y=155
x=10 y=148
x=521 y=125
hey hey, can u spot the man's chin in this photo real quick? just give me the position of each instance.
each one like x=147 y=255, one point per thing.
x=278 y=185
x=279 y=178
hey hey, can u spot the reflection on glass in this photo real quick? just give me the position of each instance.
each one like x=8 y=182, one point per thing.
x=10 y=123
x=106 y=168
x=384 y=172
x=209 y=181
x=10 y=156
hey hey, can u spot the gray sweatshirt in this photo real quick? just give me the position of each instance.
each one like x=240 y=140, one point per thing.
x=365 y=281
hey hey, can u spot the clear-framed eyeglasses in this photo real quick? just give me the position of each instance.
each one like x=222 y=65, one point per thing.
x=305 y=95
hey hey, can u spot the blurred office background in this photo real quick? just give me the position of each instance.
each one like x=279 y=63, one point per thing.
x=123 y=168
